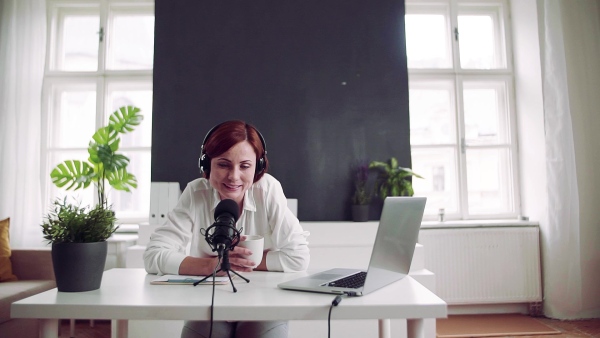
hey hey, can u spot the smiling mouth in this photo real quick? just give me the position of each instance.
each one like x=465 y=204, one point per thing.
x=231 y=187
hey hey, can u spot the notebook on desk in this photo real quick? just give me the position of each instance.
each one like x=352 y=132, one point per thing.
x=392 y=254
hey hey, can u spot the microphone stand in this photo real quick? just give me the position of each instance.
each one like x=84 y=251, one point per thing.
x=223 y=252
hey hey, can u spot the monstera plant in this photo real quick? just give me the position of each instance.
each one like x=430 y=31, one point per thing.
x=104 y=163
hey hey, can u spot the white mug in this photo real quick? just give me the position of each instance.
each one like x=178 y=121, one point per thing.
x=256 y=244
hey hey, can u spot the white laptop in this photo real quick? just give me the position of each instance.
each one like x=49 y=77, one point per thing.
x=391 y=257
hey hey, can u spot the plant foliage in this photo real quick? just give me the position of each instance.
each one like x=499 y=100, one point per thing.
x=393 y=180
x=362 y=195
x=68 y=223
x=104 y=163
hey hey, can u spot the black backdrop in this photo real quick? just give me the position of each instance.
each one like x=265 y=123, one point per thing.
x=325 y=82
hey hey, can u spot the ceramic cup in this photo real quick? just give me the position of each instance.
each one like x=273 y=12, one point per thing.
x=256 y=244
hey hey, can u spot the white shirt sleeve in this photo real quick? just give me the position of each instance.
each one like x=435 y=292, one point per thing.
x=289 y=246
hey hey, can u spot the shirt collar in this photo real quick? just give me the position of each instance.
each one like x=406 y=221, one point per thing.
x=249 y=202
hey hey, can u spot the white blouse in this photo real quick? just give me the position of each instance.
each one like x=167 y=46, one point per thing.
x=265 y=213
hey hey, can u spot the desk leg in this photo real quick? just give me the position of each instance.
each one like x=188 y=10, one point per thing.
x=385 y=330
x=119 y=328
x=48 y=328
x=415 y=328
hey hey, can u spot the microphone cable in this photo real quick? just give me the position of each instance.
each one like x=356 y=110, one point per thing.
x=335 y=302
x=212 y=302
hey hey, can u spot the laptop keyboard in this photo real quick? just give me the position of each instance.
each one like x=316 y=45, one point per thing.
x=353 y=282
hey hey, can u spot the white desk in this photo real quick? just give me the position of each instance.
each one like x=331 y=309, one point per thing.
x=127 y=294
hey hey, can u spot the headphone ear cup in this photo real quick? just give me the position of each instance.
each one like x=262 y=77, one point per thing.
x=204 y=164
x=260 y=166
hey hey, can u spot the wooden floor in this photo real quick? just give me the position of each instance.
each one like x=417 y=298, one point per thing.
x=571 y=328
x=568 y=329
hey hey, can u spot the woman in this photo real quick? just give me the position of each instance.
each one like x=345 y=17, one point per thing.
x=234 y=166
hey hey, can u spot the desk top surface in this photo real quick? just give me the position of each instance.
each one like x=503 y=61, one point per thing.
x=128 y=294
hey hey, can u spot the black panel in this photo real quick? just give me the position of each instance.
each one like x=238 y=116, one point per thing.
x=325 y=81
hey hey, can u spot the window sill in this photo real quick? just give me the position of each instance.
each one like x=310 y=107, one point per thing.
x=477 y=224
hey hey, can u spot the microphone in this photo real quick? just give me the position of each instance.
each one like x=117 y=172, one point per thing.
x=224 y=235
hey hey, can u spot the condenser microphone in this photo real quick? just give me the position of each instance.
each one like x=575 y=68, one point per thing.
x=224 y=235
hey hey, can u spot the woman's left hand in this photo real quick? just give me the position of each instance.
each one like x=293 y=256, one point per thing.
x=237 y=260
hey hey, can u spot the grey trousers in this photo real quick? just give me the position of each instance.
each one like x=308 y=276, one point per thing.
x=262 y=329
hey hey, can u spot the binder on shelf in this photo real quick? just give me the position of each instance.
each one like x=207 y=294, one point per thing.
x=163 y=198
x=163 y=202
x=154 y=193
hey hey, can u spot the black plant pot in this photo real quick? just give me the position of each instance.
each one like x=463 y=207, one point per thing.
x=79 y=266
x=360 y=212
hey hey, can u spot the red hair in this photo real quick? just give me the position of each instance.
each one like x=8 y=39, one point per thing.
x=230 y=133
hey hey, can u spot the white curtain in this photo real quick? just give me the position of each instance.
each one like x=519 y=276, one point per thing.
x=22 y=55
x=561 y=236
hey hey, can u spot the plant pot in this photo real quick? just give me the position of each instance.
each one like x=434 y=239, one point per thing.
x=79 y=266
x=360 y=213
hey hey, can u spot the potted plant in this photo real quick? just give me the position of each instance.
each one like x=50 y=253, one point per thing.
x=362 y=196
x=392 y=180
x=78 y=234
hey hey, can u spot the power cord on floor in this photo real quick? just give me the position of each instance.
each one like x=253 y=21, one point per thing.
x=335 y=302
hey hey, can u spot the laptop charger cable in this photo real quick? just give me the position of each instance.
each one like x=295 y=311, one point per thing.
x=336 y=301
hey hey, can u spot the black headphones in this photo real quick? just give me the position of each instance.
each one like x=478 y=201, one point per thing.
x=204 y=160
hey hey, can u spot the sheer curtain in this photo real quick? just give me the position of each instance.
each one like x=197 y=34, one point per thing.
x=561 y=241
x=22 y=54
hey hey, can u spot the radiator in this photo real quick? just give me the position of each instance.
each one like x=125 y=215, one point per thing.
x=484 y=265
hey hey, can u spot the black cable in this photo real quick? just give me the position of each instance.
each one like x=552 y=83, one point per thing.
x=212 y=302
x=335 y=302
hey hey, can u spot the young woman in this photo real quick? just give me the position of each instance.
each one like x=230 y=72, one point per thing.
x=234 y=166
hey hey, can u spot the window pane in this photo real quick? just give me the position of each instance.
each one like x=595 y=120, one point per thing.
x=124 y=95
x=480 y=38
x=427 y=41
x=432 y=113
x=73 y=120
x=488 y=181
x=134 y=204
x=131 y=42
x=486 y=115
x=80 y=38
x=440 y=178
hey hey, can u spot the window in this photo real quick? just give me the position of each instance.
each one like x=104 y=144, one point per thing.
x=463 y=138
x=99 y=58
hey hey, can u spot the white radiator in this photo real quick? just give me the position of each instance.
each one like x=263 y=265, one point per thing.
x=484 y=265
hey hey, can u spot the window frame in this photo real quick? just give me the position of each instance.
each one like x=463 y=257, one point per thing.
x=102 y=78
x=459 y=75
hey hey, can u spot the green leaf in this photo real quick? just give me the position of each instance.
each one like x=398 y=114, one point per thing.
x=378 y=165
x=125 y=118
x=122 y=180
x=106 y=136
x=409 y=172
x=77 y=174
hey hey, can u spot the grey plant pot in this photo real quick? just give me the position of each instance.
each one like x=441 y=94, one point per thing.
x=79 y=266
x=360 y=213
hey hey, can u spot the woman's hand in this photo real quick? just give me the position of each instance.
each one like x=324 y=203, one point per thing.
x=196 y=266
x=237 y=260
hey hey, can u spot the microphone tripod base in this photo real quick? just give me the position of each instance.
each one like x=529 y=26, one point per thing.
x=228 y=275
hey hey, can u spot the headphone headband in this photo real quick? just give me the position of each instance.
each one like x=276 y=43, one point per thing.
x=204 y=160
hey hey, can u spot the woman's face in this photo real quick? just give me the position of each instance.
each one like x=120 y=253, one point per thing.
x=232 y=172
